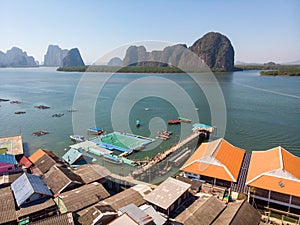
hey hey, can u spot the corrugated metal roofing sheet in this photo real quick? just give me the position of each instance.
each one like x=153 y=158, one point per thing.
x=8 y=158
x=26 y=185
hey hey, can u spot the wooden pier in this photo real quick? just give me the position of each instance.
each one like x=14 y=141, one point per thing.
x=161 y=156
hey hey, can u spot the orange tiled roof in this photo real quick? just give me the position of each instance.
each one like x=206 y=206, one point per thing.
x=218 y=159
x=39 y=153
x=278 y=184
x=36 y=155
x=272 y=168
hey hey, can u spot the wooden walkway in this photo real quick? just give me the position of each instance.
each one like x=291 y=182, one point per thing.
x=241 y=186
x=161 y=156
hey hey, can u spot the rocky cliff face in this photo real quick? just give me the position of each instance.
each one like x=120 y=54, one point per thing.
x=214 y=49
x=116 y=61
x=54 y=56
x=73 y=58
x=15 y=57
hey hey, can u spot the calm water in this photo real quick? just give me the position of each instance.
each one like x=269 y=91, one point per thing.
x=262 y=112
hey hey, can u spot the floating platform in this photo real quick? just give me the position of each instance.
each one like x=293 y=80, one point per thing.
x=200 y=126
x=123 y=142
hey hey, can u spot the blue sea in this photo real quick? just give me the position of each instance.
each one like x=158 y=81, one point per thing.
x=261 y=112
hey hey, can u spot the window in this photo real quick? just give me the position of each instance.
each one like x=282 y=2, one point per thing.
x=9 y=168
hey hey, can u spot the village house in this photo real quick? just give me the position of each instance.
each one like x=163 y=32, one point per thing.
x=168 y=195
x=81 y=198
x=217 y=162
x=8 y=163
x=29 y=189
x=137 y=215
x=98 y=214
x=43 y=160
x=37 y=211
x=62 y=219
x=60 y=179
x=75 y=157
x=210 y=210
x=92 y=172
x=274 y=180
x=7 y=207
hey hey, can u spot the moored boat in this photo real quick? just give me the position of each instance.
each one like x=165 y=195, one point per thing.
x=95 y=131
x=185 y=120
x=174 y=121
x=77 y=138
x=137 y=123
x=112 y=159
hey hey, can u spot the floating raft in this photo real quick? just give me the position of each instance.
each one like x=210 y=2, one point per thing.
x=40 y=133
x=15 y=102
x=42 y=107
x=20 y=112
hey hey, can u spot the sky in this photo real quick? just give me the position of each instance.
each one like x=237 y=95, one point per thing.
x=260 y=31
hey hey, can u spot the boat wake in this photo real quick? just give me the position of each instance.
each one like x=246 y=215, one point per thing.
x=269 y=91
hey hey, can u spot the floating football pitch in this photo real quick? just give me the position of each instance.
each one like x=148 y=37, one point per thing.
x=121 y=141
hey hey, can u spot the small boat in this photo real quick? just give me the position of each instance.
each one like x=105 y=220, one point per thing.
x=20 y=112
x=197 y=109
x=15 y=102
x=95 y=131
x=72 y=110
x=42 y=107
x=77 y=138
x=40 y=133
x=174 y=121
x=112 y=159
x=137 y=123
x=146 y=109
x=185 y=120
x=58 y=115
x=4 y=100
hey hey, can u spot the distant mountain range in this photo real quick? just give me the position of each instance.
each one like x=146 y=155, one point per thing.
x=55 y=56
x=213 y=48
x=255 y=63
x=15 y=57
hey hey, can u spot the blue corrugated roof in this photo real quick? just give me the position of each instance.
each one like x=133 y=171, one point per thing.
x=73 y=154
x=8 y=158
x=26 y=185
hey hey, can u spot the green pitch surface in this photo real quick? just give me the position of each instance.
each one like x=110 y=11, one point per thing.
x=122 y=141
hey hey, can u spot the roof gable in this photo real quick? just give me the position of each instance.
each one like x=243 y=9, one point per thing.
x=26 y=185
x=280 y=173
x=217 y=159
x=82 y=197
x=25 y=161
x=137 y=214
x=291 y=163
x=39 y=153
x=259 y=165
x=59 y=178
x=75 y=155
x=124 y=198
x=202 y=211
x=167 y=193
x=92 y=172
